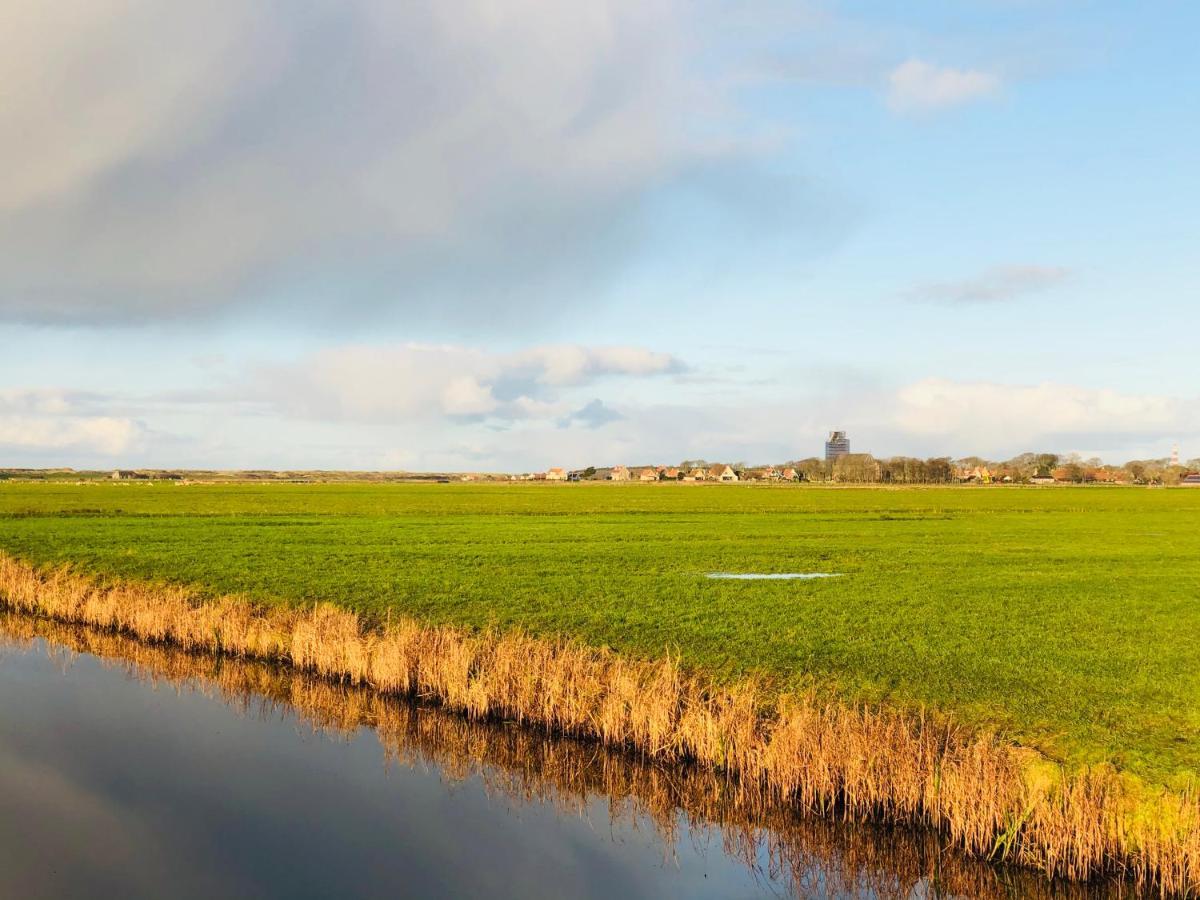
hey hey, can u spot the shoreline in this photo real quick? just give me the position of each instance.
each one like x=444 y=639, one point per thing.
x=986 y=797
x=527 y=764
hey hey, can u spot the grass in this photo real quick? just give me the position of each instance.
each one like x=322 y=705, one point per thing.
x=1068 y=617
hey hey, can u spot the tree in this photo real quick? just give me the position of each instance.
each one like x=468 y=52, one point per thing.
x=856 y=468
x=939 y=470
x=1045 y=464
x=1137 y=471
x=812 y=469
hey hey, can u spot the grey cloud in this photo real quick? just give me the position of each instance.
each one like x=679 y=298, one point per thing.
x=442 y=161
x=995 y=285
x=594 y=415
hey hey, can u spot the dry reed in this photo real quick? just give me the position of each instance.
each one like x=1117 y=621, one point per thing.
x=812 y=855
x=981 y=794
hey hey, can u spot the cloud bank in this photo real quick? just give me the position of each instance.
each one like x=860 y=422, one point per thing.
x=51 y=420
x=458 y=160
x=421 y=382
x=438 y=407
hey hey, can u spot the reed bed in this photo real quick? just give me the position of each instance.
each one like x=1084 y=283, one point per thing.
x=980 y=793
x=812 y=855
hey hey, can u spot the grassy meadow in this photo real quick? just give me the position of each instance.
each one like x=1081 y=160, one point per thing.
x=1068 y=617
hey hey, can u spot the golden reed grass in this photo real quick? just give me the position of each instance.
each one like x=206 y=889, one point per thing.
x=981 y=794
x=812 y=855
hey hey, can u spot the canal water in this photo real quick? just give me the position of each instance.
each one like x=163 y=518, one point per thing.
x=129 y=770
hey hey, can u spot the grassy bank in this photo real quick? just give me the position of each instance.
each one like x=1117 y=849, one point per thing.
x=526 y=765
x=1061 y=621
x=986 y=796
x=1067 y=618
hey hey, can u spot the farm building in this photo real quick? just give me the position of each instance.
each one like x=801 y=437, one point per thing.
x=648 y=475
x=618 y=473
x=556 y=474
x=977 y=475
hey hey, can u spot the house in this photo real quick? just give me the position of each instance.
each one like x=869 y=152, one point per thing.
x=722 y=473
x=1192 y=479
x=790 y=474
x=1041 y=479
x=770 y=473
x=556 y=474
x=648 y=475
x=694 y=474
x=618 y=473
x=671 y=474
x=574 y=476
x=978 y=475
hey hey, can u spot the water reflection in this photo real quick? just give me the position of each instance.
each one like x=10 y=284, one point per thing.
x=111 y=785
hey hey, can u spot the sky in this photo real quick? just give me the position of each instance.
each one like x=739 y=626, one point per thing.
x=469 y=235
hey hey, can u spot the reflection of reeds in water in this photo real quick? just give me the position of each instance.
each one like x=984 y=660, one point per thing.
x=980 y=793
x=811 y=855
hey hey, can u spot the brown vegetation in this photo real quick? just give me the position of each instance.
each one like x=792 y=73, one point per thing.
x=530 y=765
x=981 y=794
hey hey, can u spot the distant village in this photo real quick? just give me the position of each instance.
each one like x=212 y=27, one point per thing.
x=839 y=465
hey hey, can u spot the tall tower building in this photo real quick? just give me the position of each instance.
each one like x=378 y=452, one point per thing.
x=837 y=445
x=1175 y=455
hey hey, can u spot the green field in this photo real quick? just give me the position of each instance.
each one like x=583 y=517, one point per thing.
x=1068 y=617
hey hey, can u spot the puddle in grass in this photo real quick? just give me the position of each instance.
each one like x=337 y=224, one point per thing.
x=772 y=576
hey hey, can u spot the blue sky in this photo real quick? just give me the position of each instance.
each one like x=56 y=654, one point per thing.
x=479 y=236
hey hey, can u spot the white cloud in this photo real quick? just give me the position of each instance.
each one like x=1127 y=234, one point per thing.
x=449 y=407
x=916 y=86
x=465 y=396
x=987 y=416
x=573 y=364
x=56 y=420
x=993 y=285
x=405 y=382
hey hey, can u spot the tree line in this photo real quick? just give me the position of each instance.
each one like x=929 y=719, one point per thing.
x=863 y=468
